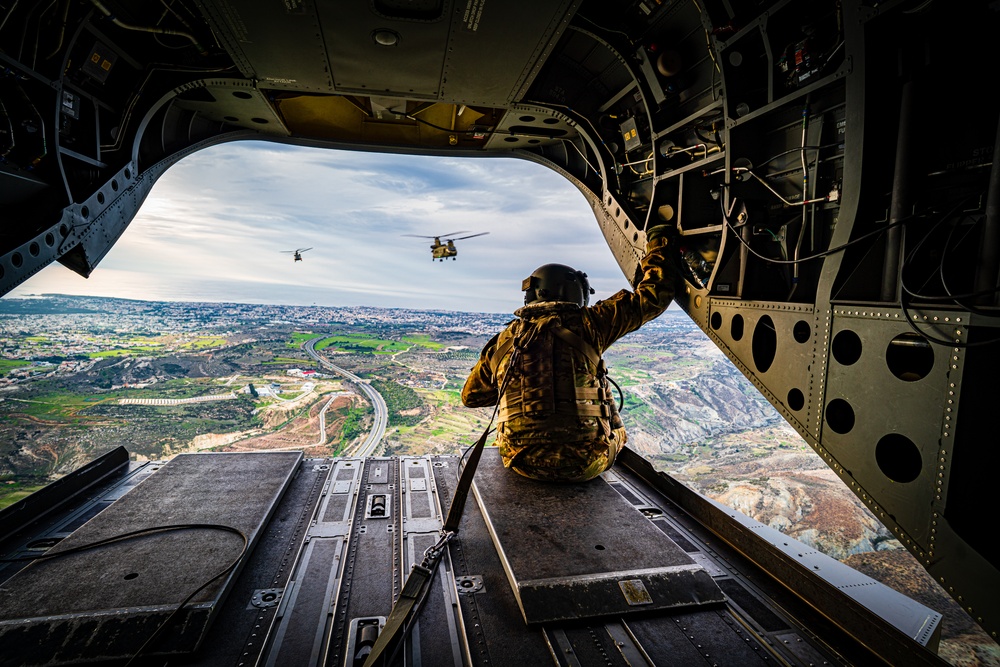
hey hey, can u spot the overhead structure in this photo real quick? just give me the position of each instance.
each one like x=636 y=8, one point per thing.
x=828 y=166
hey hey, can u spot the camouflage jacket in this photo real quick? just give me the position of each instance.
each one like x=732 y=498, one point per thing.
x=555 y=429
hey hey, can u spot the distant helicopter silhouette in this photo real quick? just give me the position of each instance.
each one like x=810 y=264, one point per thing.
x=444 y=246
x=298 y=253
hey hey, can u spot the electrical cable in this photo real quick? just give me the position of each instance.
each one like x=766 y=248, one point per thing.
x=784 y=201
x=140 y=533
x=606 y=29
x=153 y=68
x=805 y=194
x=910 y=255
x=931 y=339
x=904 y=291
x=593 y=129
x=949 y=296
x=944 y=281
x=825 y=253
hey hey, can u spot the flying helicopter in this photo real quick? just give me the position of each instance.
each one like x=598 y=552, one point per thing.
x=444 y=245
x=297 y=253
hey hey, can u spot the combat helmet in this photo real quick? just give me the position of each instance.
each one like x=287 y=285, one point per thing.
x=557 y=282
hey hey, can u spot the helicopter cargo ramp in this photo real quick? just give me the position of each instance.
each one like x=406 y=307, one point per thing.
x=522 y=583
x=574 y=551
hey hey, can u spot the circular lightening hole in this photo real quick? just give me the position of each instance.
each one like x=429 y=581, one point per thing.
x=33 y=249
x=801 y=331
x=131 y=575
x=599 y=547
x=840 y=416
x=50 y=240
x=100 y=197
x=796 y=401
x=243 y=95
x=716 y=321
x=16 y=260
x=527 y=119
x=736 y=327
x=510 y=139
x=909 y=357
x=550 y=121
x=114 y=185
x=764 y=344
x=260 y=121
x=846 y=347
x=898 y=458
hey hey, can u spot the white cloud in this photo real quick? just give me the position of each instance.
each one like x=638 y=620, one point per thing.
x=214 y=226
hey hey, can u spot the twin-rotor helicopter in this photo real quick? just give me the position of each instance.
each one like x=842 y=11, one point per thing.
x=444 y=245
x=297 y=253
x=442 y=248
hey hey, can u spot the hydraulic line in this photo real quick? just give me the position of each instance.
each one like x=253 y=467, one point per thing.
x=152 y=29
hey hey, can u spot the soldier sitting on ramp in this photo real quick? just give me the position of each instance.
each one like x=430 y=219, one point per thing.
x=557 y=416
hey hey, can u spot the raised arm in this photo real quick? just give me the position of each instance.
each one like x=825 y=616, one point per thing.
x=627 y=311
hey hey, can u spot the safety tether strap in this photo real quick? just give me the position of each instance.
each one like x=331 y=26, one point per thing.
x=418 y=580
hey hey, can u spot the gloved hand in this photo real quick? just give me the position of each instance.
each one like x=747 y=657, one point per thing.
x=657 y=232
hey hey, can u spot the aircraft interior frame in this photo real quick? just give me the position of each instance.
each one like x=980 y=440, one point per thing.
x=828 y=167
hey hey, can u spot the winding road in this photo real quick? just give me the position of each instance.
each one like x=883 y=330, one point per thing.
x=366 y=448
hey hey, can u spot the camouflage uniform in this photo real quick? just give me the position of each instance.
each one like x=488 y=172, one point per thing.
x=569 y=430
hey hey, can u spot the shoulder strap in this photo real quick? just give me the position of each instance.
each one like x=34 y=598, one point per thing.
x=575 y=341
x=502 y=350
x=417 y=581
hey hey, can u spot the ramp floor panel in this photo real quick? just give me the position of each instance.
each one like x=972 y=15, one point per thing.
x=94 y=598
x=575 y=551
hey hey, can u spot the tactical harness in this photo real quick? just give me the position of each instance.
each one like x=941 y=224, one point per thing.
x=537 y=389
x=524 y=398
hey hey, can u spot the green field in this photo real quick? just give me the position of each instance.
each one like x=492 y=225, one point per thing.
x=143 y=350
x=286 y=360
x=204 y=342
x=299 y=338
x=7 y=365
x=66 y=407
x=423 y=341
x=362 y=343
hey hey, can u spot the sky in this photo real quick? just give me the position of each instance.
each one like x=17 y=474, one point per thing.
x=214 y=227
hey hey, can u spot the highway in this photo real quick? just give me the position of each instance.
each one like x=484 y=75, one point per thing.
x=368 y=446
